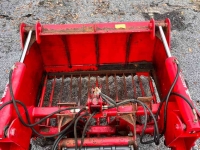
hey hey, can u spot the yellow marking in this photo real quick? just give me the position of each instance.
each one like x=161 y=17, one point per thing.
x=120 y=26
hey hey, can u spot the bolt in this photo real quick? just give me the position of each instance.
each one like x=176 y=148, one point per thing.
x=192 y=132
x=176 y=126
x=12 y=131
x=130 y=134
x=184 y=126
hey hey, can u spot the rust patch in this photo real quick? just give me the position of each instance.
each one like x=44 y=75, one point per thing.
x=88 y=29
x=45 y=129
x=128 y=118
x=28 y=28
x=145 y=99
x=68 y=104
x=125 y=29
x=63 y=121
x=83 y=29
x=133 y=142
x=161 y=23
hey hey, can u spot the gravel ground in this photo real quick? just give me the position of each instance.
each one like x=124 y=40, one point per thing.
x=184 y=15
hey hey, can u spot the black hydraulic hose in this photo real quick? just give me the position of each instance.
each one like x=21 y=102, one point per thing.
x=85 y=128
x=167 y=100
x=75 y=126
x=156 y=130
x=13 y=100
x=10 y=102
x=156 y=136
x=71 y=123
x=184 y=98
x=26 y=111
x=174 y=94
x=28 y=119
x=17 y=110
x=108 y=99
x=56 y=142
x=27 y=114
x=187 y=101
x=179 y=95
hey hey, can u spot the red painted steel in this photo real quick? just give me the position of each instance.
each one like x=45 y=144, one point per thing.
x=44 y=111
x=185 y=120
x=43 y=92
x=38 y=29
x=51 y=96
x=88 y=47
x=6 y=113
x=149 y=130
x=22 y=34
x=101 y=130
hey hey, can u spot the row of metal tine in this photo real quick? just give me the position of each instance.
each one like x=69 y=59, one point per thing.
x=89 y=88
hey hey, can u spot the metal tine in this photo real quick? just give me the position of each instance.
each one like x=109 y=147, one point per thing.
x=79 y=94
x=153 y=93
x=116 y=89
x=107 y=86
x=61 y=89
x=52 y=91
x=71 y=88
x=141 y=86
x=97 y=83
x=134 y=89
x=43 y=92
x=62 y=86
x=125 y=90
x=100 y=83
x=89 y=86
x=51 y=96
